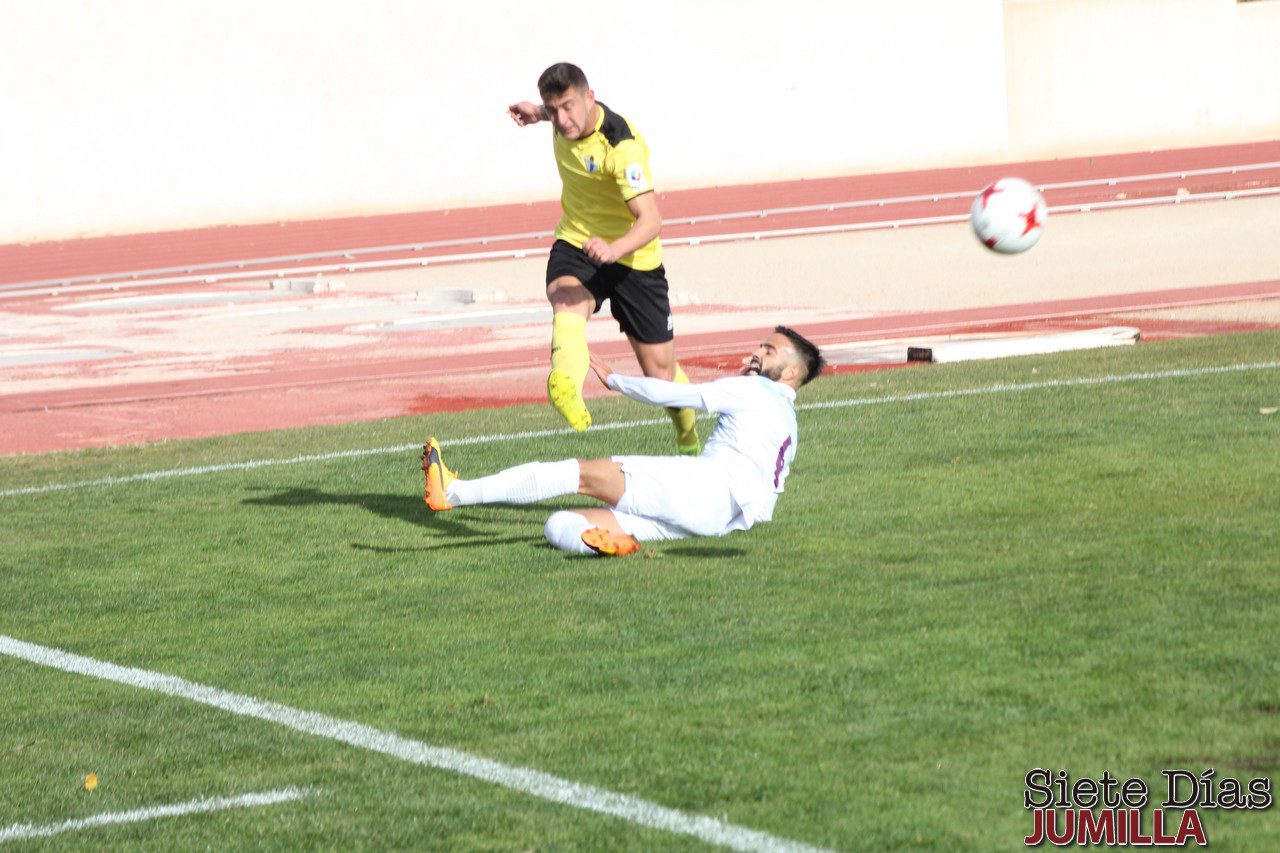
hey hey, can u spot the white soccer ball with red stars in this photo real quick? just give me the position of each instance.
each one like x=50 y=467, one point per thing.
x=1008 y=216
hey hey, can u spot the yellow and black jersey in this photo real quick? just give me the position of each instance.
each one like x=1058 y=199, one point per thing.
x=601 y=172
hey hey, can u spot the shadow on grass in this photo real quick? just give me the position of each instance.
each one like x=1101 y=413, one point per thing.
x=704 y=551
x=482 y=542
x=403 y=507
x=409 y=508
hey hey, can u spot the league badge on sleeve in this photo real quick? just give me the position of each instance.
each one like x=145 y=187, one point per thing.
x=635 y=177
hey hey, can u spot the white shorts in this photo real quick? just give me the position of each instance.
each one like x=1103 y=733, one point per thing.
x=674 y=497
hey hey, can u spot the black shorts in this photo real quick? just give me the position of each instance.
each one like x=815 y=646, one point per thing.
x=637 y=298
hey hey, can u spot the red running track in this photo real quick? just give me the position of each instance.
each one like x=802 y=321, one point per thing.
x=222 y=247
x=317 y=388
x=320 y=392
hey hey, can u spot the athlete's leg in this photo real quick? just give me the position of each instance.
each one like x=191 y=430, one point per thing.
x=593 y=532
x=537 y=481
x=567 y=293
x=656 y=360
x=659 y=361
x=523 y=484
x=690 y=495
x=602 y=517
x=602 y=479
x=571 y=305
x=565 y=530
x=606 y=531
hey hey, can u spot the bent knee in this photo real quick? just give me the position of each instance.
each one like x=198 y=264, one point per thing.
x=564 y=531
x=660 y=370
x=569 y=294
x=657 y=362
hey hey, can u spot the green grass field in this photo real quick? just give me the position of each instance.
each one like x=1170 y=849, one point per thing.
x=954 y=590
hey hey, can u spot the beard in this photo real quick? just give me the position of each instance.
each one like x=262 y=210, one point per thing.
x=754 y=368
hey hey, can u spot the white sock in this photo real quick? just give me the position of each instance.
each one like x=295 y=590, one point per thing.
x=564 y=530
x=523 y=484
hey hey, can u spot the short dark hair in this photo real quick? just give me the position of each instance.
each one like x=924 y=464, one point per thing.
x=560 y=78
x=806 y=350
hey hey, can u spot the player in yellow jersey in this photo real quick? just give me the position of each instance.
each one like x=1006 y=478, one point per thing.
x=606 y=244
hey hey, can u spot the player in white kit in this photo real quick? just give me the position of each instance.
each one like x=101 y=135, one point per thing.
x=731 y=486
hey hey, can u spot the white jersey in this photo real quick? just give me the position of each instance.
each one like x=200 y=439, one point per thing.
x=754 y=442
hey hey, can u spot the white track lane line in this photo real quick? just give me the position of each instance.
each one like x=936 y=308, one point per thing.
x=22 y=831
x=523 y=779
x=521 y=436
x=349 y=253
x=27 y=291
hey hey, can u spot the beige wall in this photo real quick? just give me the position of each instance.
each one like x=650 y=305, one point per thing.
x=1092 y=76
x=1122 y=73
x=1257 y=78
x=128 y=115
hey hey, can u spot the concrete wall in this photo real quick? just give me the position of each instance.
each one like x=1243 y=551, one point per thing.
x=129 y=115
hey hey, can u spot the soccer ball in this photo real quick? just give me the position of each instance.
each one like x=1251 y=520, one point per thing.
x=1008 y=216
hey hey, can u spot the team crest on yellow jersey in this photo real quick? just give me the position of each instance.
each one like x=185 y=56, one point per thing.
x=590 y=162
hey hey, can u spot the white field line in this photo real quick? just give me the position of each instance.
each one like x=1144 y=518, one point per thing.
x=1052 y=383
x=317 y=457
x=758 y=234
x=21 y=831
x=523 y=779
x=544 y=433
x=349 y=254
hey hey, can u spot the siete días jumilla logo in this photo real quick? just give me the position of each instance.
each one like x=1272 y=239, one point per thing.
x=1108 y=811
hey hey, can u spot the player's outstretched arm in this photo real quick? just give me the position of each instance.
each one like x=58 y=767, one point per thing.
x=645 y=389
x=526 y=113
x=659 y=392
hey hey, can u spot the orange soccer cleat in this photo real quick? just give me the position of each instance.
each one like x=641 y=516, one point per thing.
x=608 y=544
x=438 y=477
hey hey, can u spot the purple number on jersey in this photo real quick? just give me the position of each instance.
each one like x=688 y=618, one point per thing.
x=782 y=451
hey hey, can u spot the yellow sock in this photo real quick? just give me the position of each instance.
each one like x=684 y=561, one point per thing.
x=569 y=346
x=685 y=422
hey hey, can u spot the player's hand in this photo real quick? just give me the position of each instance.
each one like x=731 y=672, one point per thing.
x=601 y=369
x=525 y=113
x=599 y=250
